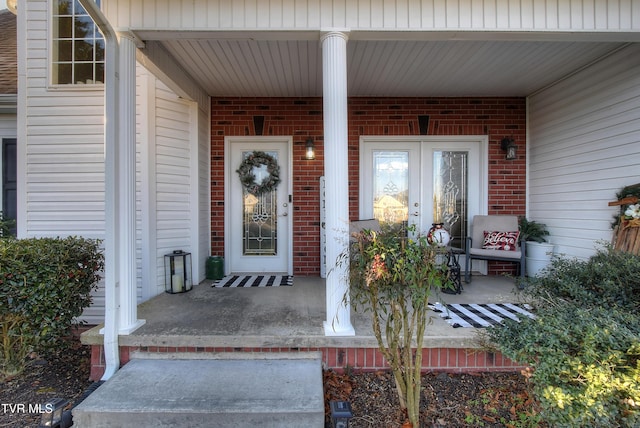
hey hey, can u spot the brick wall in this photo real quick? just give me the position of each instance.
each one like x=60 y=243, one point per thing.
x=450 y=360
x=302 y=118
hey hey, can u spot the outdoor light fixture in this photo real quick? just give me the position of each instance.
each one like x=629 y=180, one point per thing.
x=509 y=147
x=53 y=414
x=177 y=272
x=310 y=153
x=340 y=414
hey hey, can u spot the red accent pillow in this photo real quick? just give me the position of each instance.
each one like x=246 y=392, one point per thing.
x=506 y=241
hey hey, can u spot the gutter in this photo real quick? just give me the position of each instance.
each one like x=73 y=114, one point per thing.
x=111 y=87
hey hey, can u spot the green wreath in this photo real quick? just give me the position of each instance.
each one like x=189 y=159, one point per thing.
x=248 y=178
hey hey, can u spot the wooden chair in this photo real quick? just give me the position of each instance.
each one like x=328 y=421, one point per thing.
x=492 y=223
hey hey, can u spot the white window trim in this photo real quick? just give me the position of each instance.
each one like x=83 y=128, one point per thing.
x=49 y=67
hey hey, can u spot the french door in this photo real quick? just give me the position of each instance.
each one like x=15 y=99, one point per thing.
x=424 y=180
x=258 y=224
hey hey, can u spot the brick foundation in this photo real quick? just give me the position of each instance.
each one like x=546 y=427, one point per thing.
x=453 y=360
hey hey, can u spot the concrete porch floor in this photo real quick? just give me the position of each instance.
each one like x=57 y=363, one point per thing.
x=213 y=347
x=282 y=317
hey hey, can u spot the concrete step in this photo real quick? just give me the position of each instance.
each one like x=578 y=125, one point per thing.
x=208 y=393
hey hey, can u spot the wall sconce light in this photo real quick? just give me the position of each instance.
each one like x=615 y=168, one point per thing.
x=508 y=146
x=310 y=153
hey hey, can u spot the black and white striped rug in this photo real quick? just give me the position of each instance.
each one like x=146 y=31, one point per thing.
x=480 y=315
x=254 y=281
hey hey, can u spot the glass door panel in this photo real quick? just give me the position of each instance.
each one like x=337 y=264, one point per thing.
x=390 y=182
x=260 y=220
x=257 y=227
x=421 y=180
x=450 y=198
x=391 y=187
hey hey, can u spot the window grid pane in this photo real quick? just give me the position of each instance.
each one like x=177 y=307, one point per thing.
x=78 y=46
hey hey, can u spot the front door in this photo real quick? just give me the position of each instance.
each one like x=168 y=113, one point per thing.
x=258 y=209
x=424 y=180
x=9 y=173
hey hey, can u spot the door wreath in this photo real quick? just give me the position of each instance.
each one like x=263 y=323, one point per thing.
x=257 y=159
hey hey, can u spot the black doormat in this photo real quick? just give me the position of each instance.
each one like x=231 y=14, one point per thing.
x=233 y=281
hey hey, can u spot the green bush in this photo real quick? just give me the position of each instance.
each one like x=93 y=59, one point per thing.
x=584 y=344
x=6 y=226
x=609 y=278
x=16 y=344
x=47 y=283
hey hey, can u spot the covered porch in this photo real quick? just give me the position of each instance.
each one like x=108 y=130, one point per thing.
x=209 y=322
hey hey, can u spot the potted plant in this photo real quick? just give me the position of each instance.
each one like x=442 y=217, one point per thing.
x=539 y=251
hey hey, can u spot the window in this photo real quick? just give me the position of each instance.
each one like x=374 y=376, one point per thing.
x=78 y=46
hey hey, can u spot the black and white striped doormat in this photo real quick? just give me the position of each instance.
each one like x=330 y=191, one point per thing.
x=480 y=315
x=254 y=281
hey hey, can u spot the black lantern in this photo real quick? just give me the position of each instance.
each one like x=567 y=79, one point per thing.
x=177 y=272
x=54 y=415
x=310 y=150
x=509 y=147
x=340 y=414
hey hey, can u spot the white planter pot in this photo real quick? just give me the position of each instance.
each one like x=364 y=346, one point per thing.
x=538 y=257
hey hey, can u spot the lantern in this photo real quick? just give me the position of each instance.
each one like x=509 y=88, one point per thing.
x=438 y=235
x=54 y=415
x=177 y=272
x=340 y=414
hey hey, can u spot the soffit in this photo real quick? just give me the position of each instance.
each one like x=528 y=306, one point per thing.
x=386 y=68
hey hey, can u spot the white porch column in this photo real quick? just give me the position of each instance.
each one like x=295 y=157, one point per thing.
x=126 y=185
x=334 y=84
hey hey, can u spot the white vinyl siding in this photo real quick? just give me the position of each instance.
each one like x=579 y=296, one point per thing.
x=173 y=176
x=287 y=15
x=62 y=181
x=61 y=153
x=144 y=212
x=8 y=123
x=163 y=196
x=204 y=191
x=62 y=190
x=584 y=147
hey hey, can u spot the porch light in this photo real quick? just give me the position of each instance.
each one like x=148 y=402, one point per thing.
x=177 y=272
x=311 y=150
x=508 y=146
x=340 y=414
x=53 y=414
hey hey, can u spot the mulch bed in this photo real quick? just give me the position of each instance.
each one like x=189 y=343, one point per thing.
x=491 y=399
x=61 y=374
x=449 y=400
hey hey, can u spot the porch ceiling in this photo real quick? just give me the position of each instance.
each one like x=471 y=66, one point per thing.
x=386 y=64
